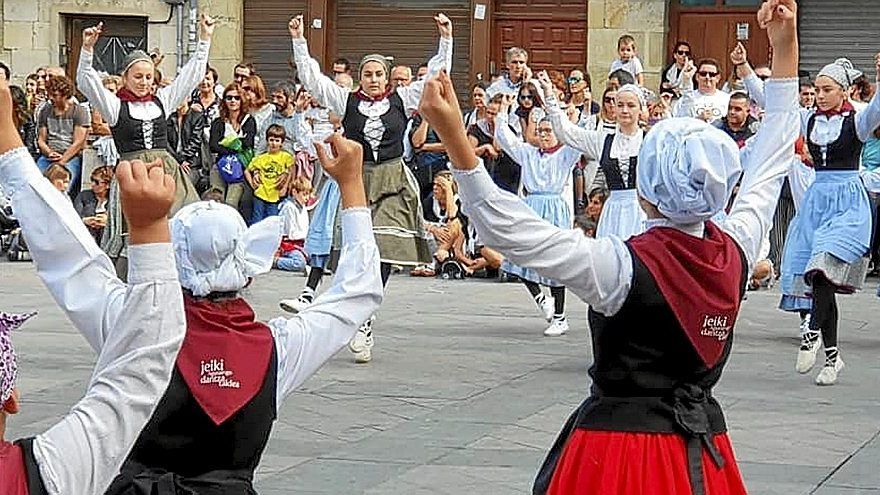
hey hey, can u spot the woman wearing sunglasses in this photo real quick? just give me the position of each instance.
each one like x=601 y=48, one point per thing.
x=137 y=117
x=672 y=73
x=529 y=111
x=232 y=135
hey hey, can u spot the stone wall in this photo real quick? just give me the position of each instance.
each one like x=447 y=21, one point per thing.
x=644 y=20
x=32 y=32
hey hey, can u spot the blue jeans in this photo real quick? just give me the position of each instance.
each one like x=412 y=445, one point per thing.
x=264 y=209
x=293 y=261
x=74 y=166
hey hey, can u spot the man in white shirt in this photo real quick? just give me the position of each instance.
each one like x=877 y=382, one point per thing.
x=518 y=72
x=707 y=102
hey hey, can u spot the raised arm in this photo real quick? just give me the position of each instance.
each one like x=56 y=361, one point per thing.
x=868 y=119
x=89 y=81
x=83 y=452
x=754 y=84
x=77 y=273
x=306 y=341
x=588 y=142
x=515 y=147
x=773 y=148
x=598 y=271
x=324 y=89
x=441 y=61
x=193 y=72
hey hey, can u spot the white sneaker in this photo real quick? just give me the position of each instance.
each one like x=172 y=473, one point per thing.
x=557 y=327
x=806 y=357
x=296 y=305
x=548 y=308
x=828 y=375
x=361 y=344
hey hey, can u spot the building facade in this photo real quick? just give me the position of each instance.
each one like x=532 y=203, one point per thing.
x=561 y=34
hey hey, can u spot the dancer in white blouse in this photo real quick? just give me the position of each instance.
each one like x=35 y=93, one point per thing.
x=545 y=171
x=663 y=304
x=233 y=372
x=376 y=116
x=617 y=154
x=137 y=120
x=82 y=453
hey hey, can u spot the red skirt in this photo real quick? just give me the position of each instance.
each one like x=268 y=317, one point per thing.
x=622 y=463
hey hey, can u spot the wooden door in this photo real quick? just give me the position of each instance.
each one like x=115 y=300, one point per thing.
x=714 y=35
x=121 y=36
x=553 y=31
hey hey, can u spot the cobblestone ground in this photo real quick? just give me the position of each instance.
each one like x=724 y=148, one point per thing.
x=464 y=394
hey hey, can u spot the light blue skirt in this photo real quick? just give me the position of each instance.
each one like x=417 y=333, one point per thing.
x=622 y=217
x=552 y=208
x=831 y=234
x=319 y=240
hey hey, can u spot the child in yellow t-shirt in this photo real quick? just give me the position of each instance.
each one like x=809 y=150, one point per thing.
x=267 y=175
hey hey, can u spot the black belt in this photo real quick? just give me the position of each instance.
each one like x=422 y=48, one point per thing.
x=685 y=413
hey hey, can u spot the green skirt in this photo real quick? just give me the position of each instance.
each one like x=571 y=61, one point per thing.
x=115 y=237
x=393 y=195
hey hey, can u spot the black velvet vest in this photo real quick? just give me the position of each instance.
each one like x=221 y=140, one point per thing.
x=132 y=135
x=842 y=154
x=394 y=120
x=181 y=447
x=612 y=168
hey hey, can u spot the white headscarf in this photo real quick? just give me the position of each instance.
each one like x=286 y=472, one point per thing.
x=216 y=251
x=632 y=88
x=687 y=169
x=842 y=71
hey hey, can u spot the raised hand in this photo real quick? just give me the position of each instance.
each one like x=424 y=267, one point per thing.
x=302 y=102
x=739 y=56
x=346 y=166
x=779 y=18
x=546 y=83
x=146 y=191
x=295 y=26
x=206 y=27
x=689 y=69
x=439 y=107
x=444 y=25
x=91 y=35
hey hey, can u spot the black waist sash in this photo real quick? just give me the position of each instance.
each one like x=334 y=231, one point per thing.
x=151 y=481
x=690 y=411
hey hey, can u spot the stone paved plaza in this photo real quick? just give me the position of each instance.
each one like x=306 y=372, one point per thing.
x=464 y=394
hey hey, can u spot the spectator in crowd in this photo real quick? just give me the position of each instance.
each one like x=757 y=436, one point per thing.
x=739 y=124
x=707 y=102
x=518 y=72
x=658 y=110
x=341 y=66
x=580 y=88
x=104 y=145
x=62 y=130
x=504 y=170
x=628 y=59
x=91 y=204
x=291 y=256
x=478 y=102
x=672 y=73
x=401 y=75
x=807 y=94
x=344 y=80
x=618 y=78
x=587 y=226
x=421 y=71
x=257 y=100
x=283 y=99
x=32 y=88
x=444 y=222
x=267 y=175
x=242 y=71
x=231 y=134
x=429 y=154
x=59 y=177
x=595 y=204
x=24 y=121
x=529 y=111
x=186 y=132
x=861 y=90
x=205 y=99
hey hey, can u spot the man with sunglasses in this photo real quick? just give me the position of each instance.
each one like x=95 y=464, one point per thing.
x=707 y=102
x=672 y=73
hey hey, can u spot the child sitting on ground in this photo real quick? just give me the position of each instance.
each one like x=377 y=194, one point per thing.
x=291 y=254
x=59 y=176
